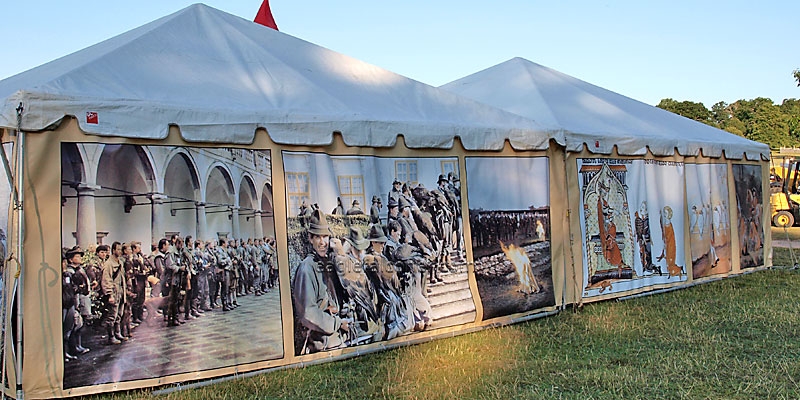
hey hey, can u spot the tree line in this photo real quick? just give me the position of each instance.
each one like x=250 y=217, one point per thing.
x=759 y=119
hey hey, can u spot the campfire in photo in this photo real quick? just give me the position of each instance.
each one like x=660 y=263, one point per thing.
x=518 y=257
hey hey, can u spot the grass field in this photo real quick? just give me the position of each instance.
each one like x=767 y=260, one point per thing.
x=786 y=234
x=736 y=338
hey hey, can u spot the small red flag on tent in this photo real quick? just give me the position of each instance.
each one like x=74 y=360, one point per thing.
x=264 y=16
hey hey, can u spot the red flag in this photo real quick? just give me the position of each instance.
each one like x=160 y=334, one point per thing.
x=264 y=16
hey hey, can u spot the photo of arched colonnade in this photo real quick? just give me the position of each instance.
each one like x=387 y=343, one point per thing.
x=132 y=312
x=113 y=192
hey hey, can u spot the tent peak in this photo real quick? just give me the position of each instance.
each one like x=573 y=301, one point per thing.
x=220 y=77
x=589 y=112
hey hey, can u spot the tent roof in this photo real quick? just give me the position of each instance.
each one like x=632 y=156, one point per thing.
x=219 y=77
x=598 y=118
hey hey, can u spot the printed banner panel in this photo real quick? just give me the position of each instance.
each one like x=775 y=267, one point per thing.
x=509 y=209
x=168 y=261
x=6 y=279
x=624 y=248
x=749 y=203
x=709 y=224
x=362 y=276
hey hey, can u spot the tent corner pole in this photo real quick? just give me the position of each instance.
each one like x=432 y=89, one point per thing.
x=19 y=172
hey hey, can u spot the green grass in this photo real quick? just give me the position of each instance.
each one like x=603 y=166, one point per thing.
x=792 y=233
x=785 y=257
x=738 y=338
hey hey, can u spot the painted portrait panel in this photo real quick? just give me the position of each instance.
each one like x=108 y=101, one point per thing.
x=709 y=224
x=632 y=223
x=749 y=205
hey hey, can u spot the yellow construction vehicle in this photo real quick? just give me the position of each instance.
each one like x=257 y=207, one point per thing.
x=784 y=199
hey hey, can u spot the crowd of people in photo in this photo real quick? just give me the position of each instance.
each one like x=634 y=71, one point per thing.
x=372 y=283
x=491 y=227
x=116 y=288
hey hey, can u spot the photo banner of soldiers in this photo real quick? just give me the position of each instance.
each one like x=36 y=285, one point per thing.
x=632 y=224
x=168 y=261
x=749 y=203
x=376 y=248
x=509 y=209
x=709 y=224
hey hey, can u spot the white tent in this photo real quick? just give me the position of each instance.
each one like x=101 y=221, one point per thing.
x=595 y=117
x=193 y=109
x=201 y=122
x=631 y=135
x=219 y=77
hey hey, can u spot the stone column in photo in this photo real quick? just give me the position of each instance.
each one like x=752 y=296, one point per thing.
x=259 y=227
x=156 y=217
x=202 y=221
x=235 y=221
x=86 y=229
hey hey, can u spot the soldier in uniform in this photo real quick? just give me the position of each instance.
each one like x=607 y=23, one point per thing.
x=69 y=318
x=339 y=210
x=113 y=284
x=200 y=280
x=192 y=271
x=319 y=326
x=304 y=214
x=454 y=208
x=412 y=266
x=140 y=272
x=236 y=263
x=355 y=209
x=393 y=310
x=181 y=280
x=269 y=247
x=160 y=259
x=225 y=274
x=406 y=221
x=360 y=293
x=80 y=283
x=396 y=192
x=393 y=211
x=393 y=240
x=374 y=211
x=167 y=261
x=244 y=267
x=210 y=253
x=259 y=266
x=405 y=192
x=94 y=268
x=126 y=323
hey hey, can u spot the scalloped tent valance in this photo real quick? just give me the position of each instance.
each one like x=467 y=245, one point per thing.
x=220 y=77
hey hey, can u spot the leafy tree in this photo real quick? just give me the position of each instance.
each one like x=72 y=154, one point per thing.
x=689 y=109
x=757 y=119
x=720 y=114
x=791 y=109
x=763 y=121
x=796 y=75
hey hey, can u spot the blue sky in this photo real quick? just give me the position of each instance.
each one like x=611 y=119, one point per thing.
x=705 y=51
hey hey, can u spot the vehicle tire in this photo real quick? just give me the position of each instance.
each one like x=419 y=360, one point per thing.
x=783 y=219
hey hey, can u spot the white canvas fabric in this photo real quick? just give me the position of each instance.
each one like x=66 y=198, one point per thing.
x=218 y=77
x=595 y=117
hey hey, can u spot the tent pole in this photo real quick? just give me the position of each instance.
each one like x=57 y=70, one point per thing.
x=19 y=169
